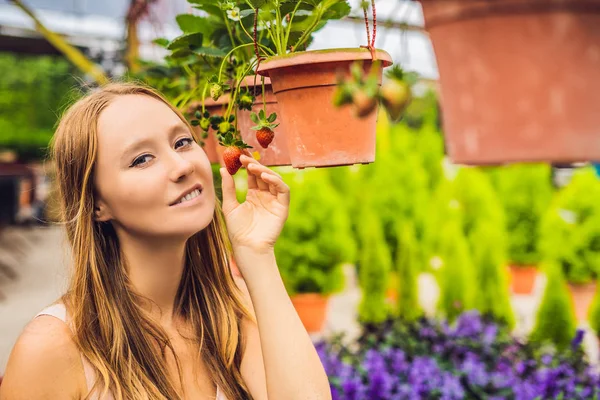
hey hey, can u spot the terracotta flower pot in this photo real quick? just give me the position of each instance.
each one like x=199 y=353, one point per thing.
x=582 y=295
x=211 y=145
x=520 y=79
x=522 y=278
x=312 y=310
x=319 y=133
x=277 y=153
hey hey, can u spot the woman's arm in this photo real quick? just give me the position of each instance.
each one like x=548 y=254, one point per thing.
x=44 y=364
x=292 y=366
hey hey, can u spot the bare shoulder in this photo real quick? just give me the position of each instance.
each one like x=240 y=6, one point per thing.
x=46 y=354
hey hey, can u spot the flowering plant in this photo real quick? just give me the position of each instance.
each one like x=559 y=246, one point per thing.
x=475 y=358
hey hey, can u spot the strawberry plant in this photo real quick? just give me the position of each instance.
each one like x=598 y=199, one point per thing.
x=264 y=127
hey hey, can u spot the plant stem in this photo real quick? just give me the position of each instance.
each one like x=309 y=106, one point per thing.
x=289 y=28
x=278 y=26
x=204 y=97
x=228 y=28
x=227 y=56
x=307 y=32
x=262 y=79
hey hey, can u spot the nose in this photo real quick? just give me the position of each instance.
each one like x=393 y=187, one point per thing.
x=180 y=167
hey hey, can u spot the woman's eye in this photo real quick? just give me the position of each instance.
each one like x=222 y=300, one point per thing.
x=183 y=142
x=141 y=160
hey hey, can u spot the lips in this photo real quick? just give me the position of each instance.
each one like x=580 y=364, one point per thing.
x=188 y=195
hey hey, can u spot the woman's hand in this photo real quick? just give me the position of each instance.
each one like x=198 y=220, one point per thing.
x=255 y=224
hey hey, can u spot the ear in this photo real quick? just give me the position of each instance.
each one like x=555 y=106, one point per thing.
x=101 y=212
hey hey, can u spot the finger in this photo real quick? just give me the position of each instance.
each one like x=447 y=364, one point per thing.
x=229 y=195
x=282 y=190
x=256 y=171
x=246 y=161
x=252 y=181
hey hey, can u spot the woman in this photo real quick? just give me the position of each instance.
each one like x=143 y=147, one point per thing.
x=152 y=310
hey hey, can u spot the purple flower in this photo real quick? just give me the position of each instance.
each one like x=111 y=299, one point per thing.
x=576 y=342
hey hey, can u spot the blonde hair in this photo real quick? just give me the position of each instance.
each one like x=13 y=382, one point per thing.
x=111 y=329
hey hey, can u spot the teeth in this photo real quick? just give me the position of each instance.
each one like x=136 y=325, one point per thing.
x=190 y=196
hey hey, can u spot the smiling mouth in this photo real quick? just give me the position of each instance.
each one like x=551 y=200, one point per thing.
x=188 y=197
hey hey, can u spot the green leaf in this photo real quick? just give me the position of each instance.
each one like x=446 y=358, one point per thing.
x=195 y=122
x=257 y=3
x=272 y=117
x=179 y=54
x=193 y=23
x=162 y=42
x=209 y=52
x=337 y=11
x=186 y=41
x=246 y=13
x=208 y=6
x=254 y=118
x=261 y=114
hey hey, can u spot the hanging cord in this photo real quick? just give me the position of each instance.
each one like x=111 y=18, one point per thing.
x=371 y=40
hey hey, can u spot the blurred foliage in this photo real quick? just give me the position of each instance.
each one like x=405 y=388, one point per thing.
x=555 y=321
x=594 y=312
x=408 y=308
x=33 y=91
x=375 y=266
x=492 y=296
x=316 y=239
x=456 y=278
x=525 y=191
x=570 y=232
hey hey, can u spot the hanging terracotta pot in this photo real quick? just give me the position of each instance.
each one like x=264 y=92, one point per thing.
x=522 y=278
x=582 y=295
x=277 y=153
x=312 y=310
x=319 y=133
x=520 y=79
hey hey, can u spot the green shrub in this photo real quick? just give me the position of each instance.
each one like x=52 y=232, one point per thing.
x=525 y=191
x=491 y=298
x=374 y=268
x=456 y=274
x=33 y=91
x=594 y=312
x=555 y=320
x=316 y=239
x=408 y=307
x=570 y=234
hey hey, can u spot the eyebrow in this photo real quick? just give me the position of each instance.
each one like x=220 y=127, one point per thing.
x=139 y=144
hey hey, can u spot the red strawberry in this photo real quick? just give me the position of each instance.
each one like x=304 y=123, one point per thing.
x=265 y=136
x=231 y=157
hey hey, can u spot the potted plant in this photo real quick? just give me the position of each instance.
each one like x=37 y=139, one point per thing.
x=555 y=320
x=313 y=246
x=513 y=86
x=305 y=82
x=374 y=267
x=525 y=192
x=216 y=52
x=457 y=288
x=407 y=290
x=571 y=237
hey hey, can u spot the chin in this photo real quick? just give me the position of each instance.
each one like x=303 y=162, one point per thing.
x=191 y=226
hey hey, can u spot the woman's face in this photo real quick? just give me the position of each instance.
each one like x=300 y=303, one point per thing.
x=148 y=170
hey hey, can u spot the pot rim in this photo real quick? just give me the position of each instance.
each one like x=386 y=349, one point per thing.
x=322 y=56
